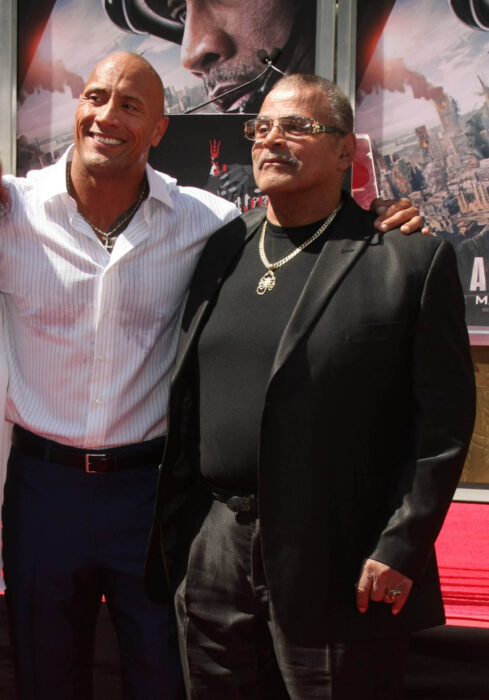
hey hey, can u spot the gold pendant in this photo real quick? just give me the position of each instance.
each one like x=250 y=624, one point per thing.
x=267 y=283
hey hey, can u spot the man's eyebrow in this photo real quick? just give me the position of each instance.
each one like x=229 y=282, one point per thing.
x=94 y=88
x=104 y=91
x=133 y=98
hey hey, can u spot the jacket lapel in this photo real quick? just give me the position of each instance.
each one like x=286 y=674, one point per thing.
x=346 y=243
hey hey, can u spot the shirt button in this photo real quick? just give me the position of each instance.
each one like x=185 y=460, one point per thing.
x=98 y=401
x=101 y=357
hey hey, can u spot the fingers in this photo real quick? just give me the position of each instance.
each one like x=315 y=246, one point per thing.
x=398 y=213
x=396 y=597
x=408 y=220
x=380 y=583
x=387 y=207
x=414 y=224
x=364 y=586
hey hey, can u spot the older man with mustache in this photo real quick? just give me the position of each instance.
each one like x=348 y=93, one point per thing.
x=321 y=409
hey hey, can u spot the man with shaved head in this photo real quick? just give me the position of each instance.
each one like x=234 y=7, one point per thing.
x=96 y=256
x=97 y=252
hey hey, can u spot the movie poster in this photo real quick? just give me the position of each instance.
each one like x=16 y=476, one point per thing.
x=423 y=98
x=201 y=50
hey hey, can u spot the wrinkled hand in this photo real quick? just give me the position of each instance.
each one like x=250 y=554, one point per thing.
x=395 y=213
x=376 y=580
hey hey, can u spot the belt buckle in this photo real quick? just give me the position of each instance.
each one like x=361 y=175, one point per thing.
x=241 y=504
x=90 y=459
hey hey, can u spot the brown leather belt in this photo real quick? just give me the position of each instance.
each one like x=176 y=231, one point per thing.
x=92 y=462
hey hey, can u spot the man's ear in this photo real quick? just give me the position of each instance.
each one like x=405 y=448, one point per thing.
x=347 y=151
x=160 y=127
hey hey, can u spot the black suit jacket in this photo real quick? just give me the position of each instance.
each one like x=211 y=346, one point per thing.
x=368 y=415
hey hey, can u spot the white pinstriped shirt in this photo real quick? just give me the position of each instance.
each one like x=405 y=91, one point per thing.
x=91 y=337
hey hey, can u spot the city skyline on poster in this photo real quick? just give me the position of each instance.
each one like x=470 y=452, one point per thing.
x=424 y=101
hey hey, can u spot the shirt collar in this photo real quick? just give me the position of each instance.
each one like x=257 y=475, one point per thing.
x=161 y=185
x=54 y=182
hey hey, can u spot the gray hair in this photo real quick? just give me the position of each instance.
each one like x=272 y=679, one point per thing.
x=340 y=108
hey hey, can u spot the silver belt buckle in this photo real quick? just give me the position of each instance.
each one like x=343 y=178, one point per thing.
x=241 y=504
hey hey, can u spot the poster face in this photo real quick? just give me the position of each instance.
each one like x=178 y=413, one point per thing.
x=202 y=50
x=423 y=97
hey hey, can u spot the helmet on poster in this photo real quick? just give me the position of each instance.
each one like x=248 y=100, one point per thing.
x=296 y=54
x=145 y=17
x=475 y=13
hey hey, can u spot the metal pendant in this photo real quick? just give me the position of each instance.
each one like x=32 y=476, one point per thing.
x=267 y=283
x=109 y=242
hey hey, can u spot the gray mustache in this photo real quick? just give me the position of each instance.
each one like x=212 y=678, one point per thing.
x=284 y=158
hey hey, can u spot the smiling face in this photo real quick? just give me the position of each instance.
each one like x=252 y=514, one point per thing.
x=221 y=38
x=310 y=166
x=118 y=118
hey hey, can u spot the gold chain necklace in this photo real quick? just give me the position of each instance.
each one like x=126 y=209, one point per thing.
x=267 y=281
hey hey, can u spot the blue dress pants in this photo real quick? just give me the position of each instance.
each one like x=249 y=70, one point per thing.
x=69 y=538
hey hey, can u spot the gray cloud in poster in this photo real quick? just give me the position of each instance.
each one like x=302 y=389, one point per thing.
x=395 y=76
x=50 y=76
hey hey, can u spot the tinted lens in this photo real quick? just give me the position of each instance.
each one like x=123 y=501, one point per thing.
x=296 y=126
x=257 y=128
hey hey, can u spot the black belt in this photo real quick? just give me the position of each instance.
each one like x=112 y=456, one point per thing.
x=92 y=462
x=237 y=502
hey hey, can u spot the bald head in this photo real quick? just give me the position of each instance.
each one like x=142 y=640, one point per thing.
x=119 y=117
x=133 y=65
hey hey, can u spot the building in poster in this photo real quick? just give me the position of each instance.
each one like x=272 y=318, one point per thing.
x=423 y=96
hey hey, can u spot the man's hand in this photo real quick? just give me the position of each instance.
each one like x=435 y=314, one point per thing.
x=379 y=582
x=395 y=213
